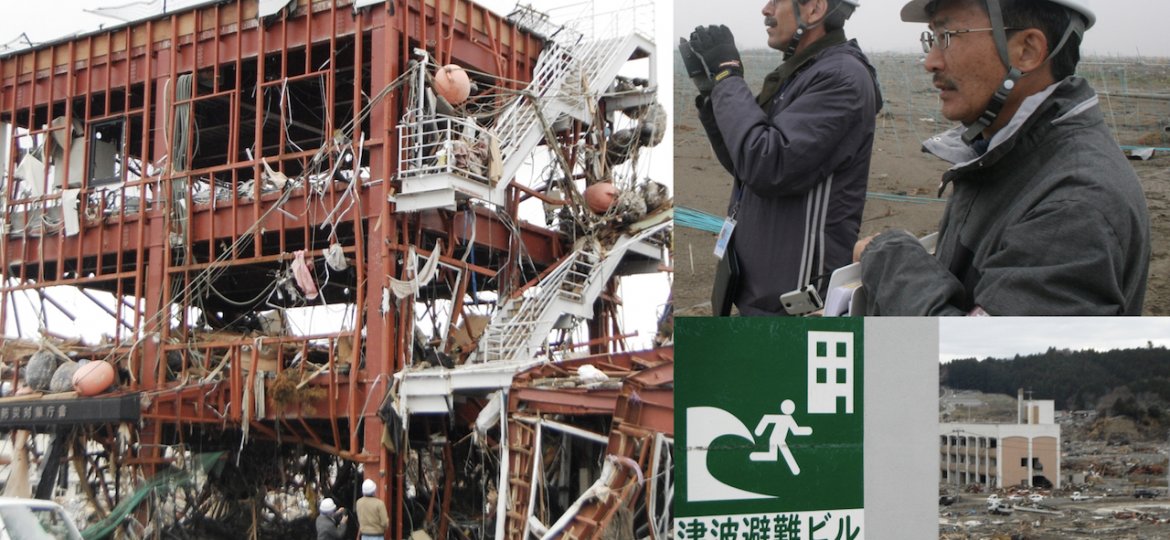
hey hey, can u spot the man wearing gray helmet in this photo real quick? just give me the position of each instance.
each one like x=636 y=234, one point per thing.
x=331 y=520
x=1046 y=217
x=799 y=152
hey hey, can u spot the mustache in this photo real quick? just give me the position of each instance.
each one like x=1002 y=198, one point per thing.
x=769 y=21
x=943 y=82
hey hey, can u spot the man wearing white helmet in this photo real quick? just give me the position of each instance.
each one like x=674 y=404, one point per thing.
x=799 y=152
x=371 y=513
x=1046 y=217
x=330 y=520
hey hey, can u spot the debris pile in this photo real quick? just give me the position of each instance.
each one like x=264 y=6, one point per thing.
x=1112 y=487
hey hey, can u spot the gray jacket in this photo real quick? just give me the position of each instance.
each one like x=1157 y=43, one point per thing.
x=801 y=163
x=1051 y=220
x=327 y=529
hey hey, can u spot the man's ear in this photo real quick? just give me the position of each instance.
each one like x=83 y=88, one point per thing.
x=1029 y=48
x=819 y=9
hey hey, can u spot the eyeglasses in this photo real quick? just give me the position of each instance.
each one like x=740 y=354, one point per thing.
x=929 y=40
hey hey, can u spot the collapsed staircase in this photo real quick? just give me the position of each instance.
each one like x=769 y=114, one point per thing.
x=521 y=325
x=571 y=75
x=517 y=334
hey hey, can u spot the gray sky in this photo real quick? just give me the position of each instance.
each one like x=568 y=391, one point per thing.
x=1004 y=337
x=1126 y=28
x=67 y=16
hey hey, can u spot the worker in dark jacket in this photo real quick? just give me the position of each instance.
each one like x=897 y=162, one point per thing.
x=799 y=151
x=1046 y=216
x=331 y=520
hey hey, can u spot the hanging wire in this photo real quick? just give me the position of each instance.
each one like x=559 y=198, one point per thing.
x=219 y=265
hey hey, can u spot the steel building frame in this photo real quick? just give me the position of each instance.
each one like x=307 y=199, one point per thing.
x=181 y=162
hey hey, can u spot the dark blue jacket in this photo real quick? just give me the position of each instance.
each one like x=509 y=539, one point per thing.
x=801 y=163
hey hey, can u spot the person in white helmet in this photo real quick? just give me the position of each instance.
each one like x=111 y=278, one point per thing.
x=331 y=520
x=1046 y=216
x=799 y=152
x=371 y=513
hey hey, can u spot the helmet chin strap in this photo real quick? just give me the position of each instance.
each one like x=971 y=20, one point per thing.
x=801 y=28
x=993 y=107
x=1075 y=25
x=1009 y=82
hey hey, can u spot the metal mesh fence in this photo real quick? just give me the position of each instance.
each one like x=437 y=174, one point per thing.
x=1134 y=95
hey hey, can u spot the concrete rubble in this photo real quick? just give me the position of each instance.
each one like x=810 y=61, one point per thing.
x=1114 y=484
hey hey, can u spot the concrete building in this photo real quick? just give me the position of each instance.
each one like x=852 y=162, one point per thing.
x=998 y=455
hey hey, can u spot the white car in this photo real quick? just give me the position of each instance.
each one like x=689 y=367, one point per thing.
x=1078 y=496
x=34 y=518
x=999 y=507
x=1015 y=498
x=1035 y=497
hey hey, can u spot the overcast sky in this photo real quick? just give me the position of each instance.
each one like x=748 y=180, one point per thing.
x=1004 y=337
x=1126 y=28
x=67 y=16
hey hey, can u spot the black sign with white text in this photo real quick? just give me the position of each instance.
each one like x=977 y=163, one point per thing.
x=54 y=412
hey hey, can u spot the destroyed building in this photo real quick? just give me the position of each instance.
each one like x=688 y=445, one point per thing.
x=1026 y=453
x=304 y=232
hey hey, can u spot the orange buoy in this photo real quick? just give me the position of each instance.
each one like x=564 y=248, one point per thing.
x=601 y=196
x=452 y=82
x=93 y=378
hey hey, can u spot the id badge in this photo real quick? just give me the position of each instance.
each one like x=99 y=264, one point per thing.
x=724 y=237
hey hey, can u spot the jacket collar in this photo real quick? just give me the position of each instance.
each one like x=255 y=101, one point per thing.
x=774 y=80
x=1063 y=102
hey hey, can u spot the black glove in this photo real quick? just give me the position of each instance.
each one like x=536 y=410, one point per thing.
x=717 y=47
x=695 y=68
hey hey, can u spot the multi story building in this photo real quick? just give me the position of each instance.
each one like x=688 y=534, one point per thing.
x=1024 y=453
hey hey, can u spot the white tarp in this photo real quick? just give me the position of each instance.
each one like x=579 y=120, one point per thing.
x=269 y=8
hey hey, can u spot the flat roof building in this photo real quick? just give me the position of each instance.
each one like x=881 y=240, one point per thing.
x=998 y=455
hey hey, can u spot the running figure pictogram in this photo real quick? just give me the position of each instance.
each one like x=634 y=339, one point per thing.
x=779 y=438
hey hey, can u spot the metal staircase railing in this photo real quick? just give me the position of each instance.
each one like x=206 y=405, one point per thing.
x=573 y=71
x=519 y=329
x=441 y=146
x=522 y=325
x=566 y=78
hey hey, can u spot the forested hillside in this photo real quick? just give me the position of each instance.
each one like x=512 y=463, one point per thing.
x=1130 y=382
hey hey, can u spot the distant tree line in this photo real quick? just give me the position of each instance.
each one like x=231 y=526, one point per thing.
x=1126 y=382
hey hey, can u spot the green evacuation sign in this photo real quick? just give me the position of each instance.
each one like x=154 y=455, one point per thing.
x=769 y=415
